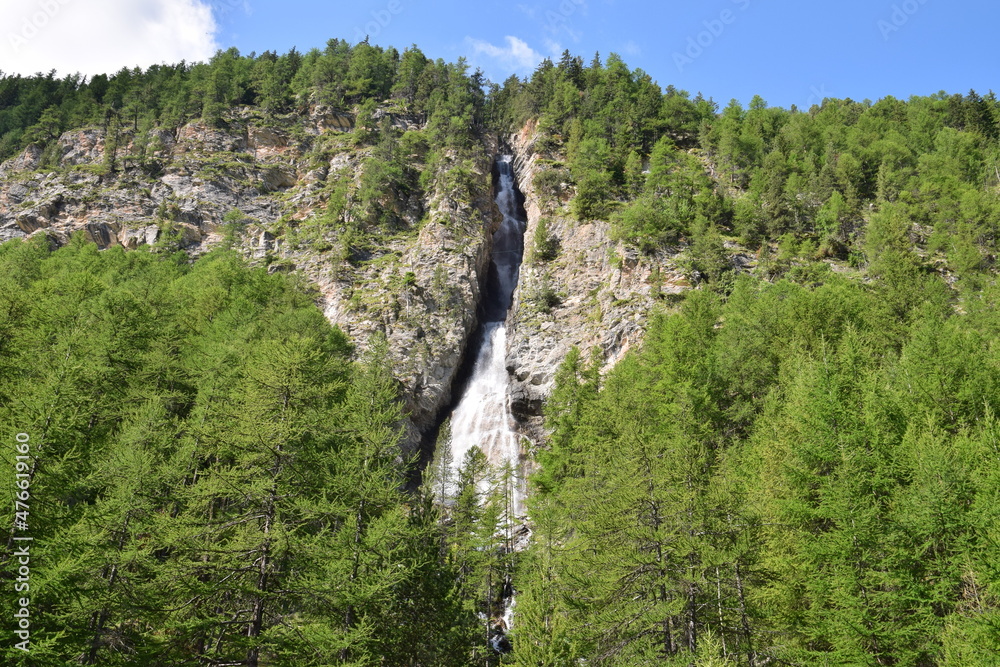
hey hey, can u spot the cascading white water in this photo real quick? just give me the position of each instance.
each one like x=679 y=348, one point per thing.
x=483 y=417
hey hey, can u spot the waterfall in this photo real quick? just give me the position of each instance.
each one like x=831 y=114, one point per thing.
x=483 y=417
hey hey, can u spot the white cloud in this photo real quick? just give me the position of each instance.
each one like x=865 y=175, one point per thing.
x=555 y=48
x=517 y=56
x=102 y=36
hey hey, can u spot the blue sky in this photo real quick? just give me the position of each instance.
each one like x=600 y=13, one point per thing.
x=788 y=52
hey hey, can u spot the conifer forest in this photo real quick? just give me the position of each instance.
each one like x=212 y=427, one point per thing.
x=739 y=372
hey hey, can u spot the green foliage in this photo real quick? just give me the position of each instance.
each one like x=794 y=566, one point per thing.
x=365 y=125
x=647 y=223
x=384 y=185
x=39 y=108
x=575 y=386
x=673 y=197
x=208 y=463
x=781 y=476
x=544 y=246
x=707 y=259
x=548 y=182
x=541 y=293
x=758 y=172
x=594 y=182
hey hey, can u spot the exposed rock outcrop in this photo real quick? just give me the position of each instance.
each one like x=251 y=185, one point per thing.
x=422 y=293
x=594 y=292
x=262 y=182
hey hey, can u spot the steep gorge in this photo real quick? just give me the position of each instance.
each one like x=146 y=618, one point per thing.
x=191 y=414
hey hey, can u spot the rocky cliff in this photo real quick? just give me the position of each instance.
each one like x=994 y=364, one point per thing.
x=266 y=186
x=578 y=287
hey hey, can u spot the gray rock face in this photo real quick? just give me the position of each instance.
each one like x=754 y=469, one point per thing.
x=81 y=147
x=422 y=294
x=28 y=159
x=118 y=208
x=594 y=293
x=420 y=288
